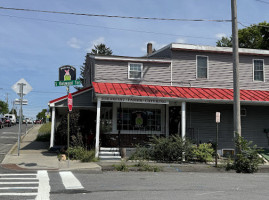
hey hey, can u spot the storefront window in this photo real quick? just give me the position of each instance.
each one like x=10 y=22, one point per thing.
x=139 y=119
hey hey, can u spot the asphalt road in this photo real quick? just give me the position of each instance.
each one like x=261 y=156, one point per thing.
x=80 y=185
x=8 y=137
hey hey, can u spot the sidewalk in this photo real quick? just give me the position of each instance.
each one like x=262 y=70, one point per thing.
x=35 y=156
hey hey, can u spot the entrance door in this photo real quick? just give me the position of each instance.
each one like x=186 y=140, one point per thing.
x=175 y=120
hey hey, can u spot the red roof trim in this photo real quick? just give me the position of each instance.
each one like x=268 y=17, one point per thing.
x=74 y=93
x=178 y=92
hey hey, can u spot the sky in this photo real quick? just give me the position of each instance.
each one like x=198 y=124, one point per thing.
x=34 y=45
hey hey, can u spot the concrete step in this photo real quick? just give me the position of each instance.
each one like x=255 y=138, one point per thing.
x=110 y=157
x=115 y=153
x=109 y=149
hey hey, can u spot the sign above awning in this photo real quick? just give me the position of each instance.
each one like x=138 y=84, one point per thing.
x=123 y=92
x=133 y=100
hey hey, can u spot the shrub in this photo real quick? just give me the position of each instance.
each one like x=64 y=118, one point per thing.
x=247 y=159
x=82 y=154
x=141 y=153
x=44 y=133
x=204 y=152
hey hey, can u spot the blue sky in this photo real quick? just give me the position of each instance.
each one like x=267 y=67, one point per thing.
x=34 y=45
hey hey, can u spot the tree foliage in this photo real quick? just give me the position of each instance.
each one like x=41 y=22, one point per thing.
x=253 y=37
x=13 y=111
x=99 y=49
x=3 y=107
x=42 y=115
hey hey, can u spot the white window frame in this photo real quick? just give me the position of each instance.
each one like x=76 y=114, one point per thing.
x=141 y=64
x=207 y=71
x=253 y=71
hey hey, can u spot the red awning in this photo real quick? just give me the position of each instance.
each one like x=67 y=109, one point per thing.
x=178 y=92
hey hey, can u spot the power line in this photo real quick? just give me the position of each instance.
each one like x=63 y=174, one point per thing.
x=113 y=28
x=266 y=2
x=115 y=16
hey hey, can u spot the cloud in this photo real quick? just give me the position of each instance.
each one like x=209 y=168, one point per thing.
x=180 y=40
x=220 y=35
x=74 y=43
x=95 y=42
x=155 y=46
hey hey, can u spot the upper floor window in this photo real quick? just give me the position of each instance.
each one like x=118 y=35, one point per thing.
x=202 y=65
x=258 y=70
x=135 y=70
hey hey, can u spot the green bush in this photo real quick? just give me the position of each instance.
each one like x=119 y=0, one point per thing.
x=164 y=150
x=141 y=153
x=247 y=159
x=204 y=152
x=44 y=133
x=82 y=154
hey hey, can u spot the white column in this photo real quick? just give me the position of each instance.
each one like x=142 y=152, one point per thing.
x=167 y=120
x=183 y=120
x=97 y=128
x=52 y=128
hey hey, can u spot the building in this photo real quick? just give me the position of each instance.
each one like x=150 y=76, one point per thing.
x=178 y=90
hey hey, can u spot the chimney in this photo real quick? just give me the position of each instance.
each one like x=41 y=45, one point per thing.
x=149 y=48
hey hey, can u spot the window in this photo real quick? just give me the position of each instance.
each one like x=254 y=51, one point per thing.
x=258 y=70
x=201 y=66
x=135 y=70
x=136 y=119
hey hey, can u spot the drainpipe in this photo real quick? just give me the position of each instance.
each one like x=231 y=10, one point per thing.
x=52 y=128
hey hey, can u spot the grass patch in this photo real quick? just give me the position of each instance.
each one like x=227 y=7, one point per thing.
x=142 y=166
x=44 y=133
x=121 y=167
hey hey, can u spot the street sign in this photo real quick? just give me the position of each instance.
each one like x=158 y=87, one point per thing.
x=67 y=73
x=70 y=102
x=67 y=83
x=18 y=102
x=26 y=87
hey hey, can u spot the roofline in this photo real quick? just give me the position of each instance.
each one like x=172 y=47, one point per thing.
x=191 y=47
x=73 y=94
x=161 y=49
x=215 y=101
x=130 y=59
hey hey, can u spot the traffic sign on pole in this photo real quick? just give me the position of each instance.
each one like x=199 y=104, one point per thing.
x=70 y=102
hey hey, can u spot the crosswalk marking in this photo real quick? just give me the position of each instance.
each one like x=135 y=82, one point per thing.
x=44 y=186
x=38 y=188
x=70 y=181
x=8 y=137
x=8 y=183
x=9 y=133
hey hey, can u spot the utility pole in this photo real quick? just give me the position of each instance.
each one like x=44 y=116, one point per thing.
x=236 y=86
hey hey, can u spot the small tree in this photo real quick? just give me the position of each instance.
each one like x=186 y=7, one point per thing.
x=3 y=107
x=42 y=115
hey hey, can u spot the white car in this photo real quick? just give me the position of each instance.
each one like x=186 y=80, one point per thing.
x=11 y=117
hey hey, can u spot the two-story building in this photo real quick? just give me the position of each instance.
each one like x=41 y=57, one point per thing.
x=178 y=90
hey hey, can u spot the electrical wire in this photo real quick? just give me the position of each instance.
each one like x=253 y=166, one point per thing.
x=112 y=28
x=261 y=1
x=115 y=16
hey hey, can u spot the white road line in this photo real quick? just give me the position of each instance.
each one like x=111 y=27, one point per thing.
x=8 y=183
x=18 y=194
x=18 y=178
x=44 y=186
x=18 y=188
x=17 y=174
x=70 y=181
x=7 y=137
x=9 y=133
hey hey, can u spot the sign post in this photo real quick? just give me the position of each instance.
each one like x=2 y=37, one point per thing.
x=21 y=88
x=67 y=77
x=217 y=137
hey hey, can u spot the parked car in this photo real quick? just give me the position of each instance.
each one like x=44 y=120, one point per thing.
x=1 y=123
x=7 y=122
x=12 y=118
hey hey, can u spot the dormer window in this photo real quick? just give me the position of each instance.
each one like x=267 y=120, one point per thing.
x=202 y=67
x=135 y=70
x=258 y=72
